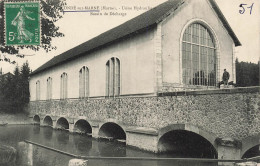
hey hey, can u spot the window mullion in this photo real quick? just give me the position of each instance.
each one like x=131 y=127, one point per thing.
x=84 y=82
x=62 y=90
x=207 y=72
x=199 y=44
x=115 y=77
x=207 y=53
x=48 y=89
x=118 y=78
x=63 y=76
x=191 y=67
x=36 y=90
x=199 y=59
x=79 y=83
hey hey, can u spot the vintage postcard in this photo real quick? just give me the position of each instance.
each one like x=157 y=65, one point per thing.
x=129 y=82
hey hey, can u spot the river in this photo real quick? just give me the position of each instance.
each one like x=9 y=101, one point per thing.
x=79 y=145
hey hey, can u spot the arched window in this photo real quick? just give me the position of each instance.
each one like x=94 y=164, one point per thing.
x=83 y=82
x=199 y=62
x=49 y=88
x=113 y=77
x=64 y=86
x=38 y=88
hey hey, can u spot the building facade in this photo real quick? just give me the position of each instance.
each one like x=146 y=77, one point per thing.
x=178 y=45
x=146 y=80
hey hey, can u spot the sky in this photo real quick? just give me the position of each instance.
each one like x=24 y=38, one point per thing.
x=79 y=27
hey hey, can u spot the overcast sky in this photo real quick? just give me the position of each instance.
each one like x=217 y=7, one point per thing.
x=81 y=26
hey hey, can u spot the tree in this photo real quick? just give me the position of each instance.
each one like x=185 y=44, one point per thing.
x=14 y=90
x=247 y=74
x=51 y=12
x=6 y=93
x=25 y=71
x=16 y=84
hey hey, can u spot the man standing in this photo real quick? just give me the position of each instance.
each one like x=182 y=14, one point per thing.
x=225 y=77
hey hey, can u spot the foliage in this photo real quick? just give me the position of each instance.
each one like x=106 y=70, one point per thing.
x=247 y=74
x=51 y=12
x=14 y=90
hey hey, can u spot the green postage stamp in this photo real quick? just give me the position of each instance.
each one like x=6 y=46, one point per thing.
x=22 y=23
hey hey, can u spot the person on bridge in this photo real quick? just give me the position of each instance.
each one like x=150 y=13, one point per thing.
x=225 y=77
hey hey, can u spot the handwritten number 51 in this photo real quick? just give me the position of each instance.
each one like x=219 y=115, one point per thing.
x=242 y=11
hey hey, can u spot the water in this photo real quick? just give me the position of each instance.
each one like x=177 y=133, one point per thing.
x=79 y=145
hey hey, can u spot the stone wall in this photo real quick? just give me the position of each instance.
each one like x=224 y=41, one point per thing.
x=227 y=113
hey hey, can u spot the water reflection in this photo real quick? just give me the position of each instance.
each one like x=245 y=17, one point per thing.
x=36 y=129
x=62 y=136
x=78 y=145
x=44 y=157
x=47 y=132
x=108 y=149
x=82 y=143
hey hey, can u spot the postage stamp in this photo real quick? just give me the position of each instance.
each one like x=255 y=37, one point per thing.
x=22 y=23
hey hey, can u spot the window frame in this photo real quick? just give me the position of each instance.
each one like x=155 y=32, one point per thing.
x=84 y=82
x=183 y=68
x=38 y=90
x=64 y=86
x=49 y=88
x=113 y=77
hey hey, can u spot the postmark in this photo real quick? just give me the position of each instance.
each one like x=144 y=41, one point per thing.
x=22 y=23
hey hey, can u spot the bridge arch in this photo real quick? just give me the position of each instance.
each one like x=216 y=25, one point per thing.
x=36 y=119
x=62 y=123
x=112 y=130
x=187 y=140
x=250 y=146
x=48 y=121
x=83 y=126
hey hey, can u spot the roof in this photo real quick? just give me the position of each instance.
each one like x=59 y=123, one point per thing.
x=142 y=22
x=6 y=75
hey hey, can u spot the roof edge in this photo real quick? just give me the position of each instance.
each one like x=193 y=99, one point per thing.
x=89 y=51
x=225 y=22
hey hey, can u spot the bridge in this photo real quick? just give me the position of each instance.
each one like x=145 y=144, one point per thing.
x=222 y=123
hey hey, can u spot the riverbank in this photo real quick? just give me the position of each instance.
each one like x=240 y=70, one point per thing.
x=18 y=118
